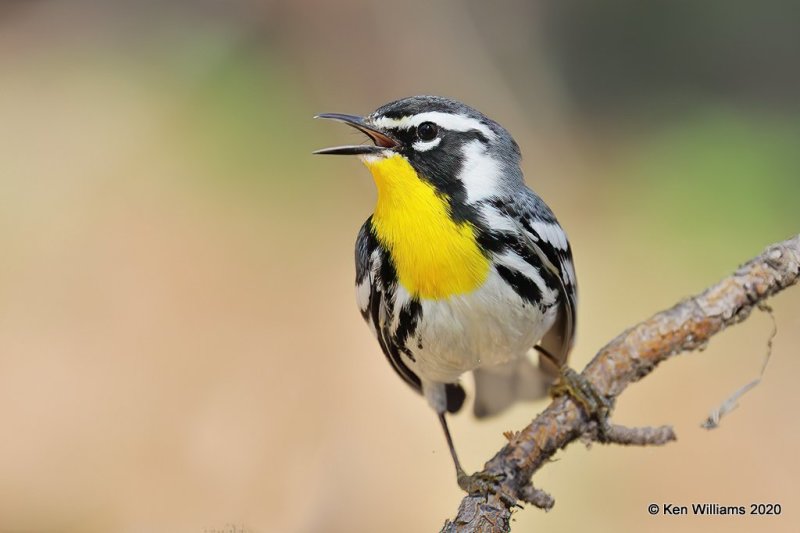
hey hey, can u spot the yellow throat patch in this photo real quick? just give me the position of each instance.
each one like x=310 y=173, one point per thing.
x=434 y=256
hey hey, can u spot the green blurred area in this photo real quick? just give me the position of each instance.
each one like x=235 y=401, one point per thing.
x=243 y=118
x=710 y=184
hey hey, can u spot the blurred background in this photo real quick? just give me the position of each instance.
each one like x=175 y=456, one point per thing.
x=180 y=350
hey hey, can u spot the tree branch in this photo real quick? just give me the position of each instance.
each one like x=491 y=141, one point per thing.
x=628 y=358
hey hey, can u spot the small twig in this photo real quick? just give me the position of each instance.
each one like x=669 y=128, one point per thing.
x=537 y=497
x=730 y=404
x=643 y=436
x=765 y=307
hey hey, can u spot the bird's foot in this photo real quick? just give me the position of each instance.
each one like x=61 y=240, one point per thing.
x=595 y=405
x=478 y=483
x=484 y=483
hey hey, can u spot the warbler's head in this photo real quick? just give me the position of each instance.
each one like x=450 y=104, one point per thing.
x=463 y=154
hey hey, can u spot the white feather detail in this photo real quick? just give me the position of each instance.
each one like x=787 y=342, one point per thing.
x=364 y=289
x=497 y=220
x=569 y=269
x=401 y=299
x=421 y=146
x=373 y=158
x=362 y=294
x=480 y=172
x=551 y=233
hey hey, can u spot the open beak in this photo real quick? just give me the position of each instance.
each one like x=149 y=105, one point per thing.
x=381 y=140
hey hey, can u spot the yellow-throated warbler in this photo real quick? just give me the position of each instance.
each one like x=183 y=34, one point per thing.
x=461 y=266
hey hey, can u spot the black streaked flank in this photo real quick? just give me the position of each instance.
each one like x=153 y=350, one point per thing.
x=381 y=298
x=407 y=321
x=497 y=242
x=388 y=278
x=522 y=209
x=388 y=348
x=408 y=353
x=527 y=254
x=492 y=241
x=366 y=243
x=522 y=285
x=393 y=354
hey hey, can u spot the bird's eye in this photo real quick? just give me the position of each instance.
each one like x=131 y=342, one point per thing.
x=427 y=131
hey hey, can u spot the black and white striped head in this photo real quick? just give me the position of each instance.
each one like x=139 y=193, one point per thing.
x=464 y=154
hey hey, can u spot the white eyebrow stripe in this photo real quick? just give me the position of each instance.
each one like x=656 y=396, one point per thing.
x=448 y=121
x=421 y=146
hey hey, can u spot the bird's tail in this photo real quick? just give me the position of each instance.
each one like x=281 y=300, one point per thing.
x=498 y=387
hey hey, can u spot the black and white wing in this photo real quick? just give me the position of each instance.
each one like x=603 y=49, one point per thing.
x=376 y=283
x=542 y=232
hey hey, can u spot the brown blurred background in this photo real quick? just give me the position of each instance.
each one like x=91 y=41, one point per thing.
x=180 y=350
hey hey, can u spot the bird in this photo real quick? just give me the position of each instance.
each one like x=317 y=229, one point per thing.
x=461 y=267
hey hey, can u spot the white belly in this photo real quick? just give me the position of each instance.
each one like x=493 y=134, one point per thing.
x=488 y=326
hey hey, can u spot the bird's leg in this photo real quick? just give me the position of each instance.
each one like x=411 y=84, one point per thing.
x=594 y=404
x=479 y=482
x=572 y=384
